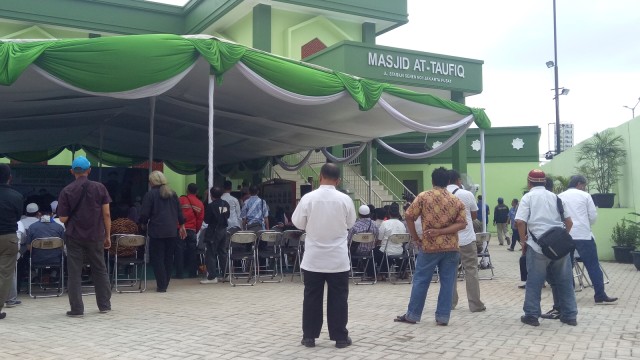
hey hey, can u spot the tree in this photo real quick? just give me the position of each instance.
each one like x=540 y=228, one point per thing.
x=600 y=159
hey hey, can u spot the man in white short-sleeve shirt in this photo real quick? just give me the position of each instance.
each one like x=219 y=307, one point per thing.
x=326 y=215
x=538 y=212
x=467 y=243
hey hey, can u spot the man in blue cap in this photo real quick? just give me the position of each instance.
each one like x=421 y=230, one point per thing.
x=83 y=206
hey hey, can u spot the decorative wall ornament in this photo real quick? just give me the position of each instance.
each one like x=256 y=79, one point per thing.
x=517 y=143
x=475 y=145
x=436 y=144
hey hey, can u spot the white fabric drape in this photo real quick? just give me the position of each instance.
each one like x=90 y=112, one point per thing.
x=445 y=145
x=138 y=93
x=286 y=95
x=295 y=167
x=334 y=159
x=416 y=126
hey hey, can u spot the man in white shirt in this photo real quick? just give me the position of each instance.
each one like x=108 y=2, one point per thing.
x=326 y=215
x=234 y=221
x=467 y=243
x=538 y=212
x=582 y=210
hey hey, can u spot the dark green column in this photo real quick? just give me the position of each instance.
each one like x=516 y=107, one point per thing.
x=369 y=33
x=262 y=27
x=459 y=149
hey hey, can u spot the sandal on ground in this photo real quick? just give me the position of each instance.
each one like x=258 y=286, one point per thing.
x=403 y=319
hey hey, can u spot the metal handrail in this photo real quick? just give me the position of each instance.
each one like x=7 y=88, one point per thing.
x=390 y=181
x=306 y=171
x=361 y=188
x=348 y=151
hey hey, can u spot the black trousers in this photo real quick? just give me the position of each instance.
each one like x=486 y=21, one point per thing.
x=186 y=256
x=94 y=251
x=337 y=306
x=216 y=251
x=161 y=251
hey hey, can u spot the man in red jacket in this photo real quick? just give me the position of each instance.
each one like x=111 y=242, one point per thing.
x=193 y=211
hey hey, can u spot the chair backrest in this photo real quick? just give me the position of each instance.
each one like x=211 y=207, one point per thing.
x=243 y=237
x=291 y=238
x=482 y=237
x=47 y=243
x=129 y=240
x=363 y=238
x=400 y=238
x=269 y=236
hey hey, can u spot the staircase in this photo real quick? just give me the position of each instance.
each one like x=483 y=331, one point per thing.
x=385 y=187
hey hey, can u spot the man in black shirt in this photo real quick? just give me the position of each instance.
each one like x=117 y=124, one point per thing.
x=10 y=211
x=500 y=218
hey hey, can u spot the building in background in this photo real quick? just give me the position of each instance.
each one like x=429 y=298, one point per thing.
x=566 y=136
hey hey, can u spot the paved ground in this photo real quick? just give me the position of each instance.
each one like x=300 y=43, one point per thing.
x=194 y=321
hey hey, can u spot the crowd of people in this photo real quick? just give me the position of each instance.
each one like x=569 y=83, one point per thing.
x=440 y=222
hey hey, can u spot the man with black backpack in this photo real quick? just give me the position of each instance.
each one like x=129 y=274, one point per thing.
x=215 y=237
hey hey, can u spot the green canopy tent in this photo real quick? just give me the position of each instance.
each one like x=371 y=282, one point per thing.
x=196 y=95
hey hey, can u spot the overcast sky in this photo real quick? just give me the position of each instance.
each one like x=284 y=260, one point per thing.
x=598 y=57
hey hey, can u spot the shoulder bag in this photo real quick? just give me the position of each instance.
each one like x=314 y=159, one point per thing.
x=555 y=242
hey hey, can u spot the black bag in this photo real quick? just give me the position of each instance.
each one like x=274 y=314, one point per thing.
x=556 y=242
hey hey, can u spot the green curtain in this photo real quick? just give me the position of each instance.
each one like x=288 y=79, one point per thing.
x=183 y=168
x=34 y=156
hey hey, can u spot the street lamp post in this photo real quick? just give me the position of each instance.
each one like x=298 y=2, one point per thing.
x=555 y=75
x=633 y=109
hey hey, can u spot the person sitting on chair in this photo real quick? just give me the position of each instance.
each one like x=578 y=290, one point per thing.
x=364 y=224
x=45 y=227
x=393 y=225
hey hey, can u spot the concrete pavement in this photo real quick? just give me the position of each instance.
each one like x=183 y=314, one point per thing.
x=194 y=321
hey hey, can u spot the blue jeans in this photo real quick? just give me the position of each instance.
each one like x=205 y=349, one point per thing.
x=447 y=263
x=562 y=284
x=589 y=256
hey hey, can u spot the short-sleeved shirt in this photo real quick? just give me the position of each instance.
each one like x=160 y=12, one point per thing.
x=86 y=223
x=364 y=225
x=539 y=209
x=388 y=228
x=438 y=209
x=467 y=235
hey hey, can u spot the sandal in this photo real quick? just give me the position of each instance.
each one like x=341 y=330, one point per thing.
x=403 y=319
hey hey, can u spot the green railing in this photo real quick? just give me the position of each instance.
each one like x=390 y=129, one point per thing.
x=395 y=187
x=307 y=171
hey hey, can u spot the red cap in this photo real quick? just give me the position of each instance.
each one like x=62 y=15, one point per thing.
x=536 y=176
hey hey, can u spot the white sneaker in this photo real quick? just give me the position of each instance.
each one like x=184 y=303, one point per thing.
x=207 y=281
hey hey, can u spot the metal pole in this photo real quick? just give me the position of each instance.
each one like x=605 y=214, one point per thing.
x=370 y=157
x=483 y=183
x=555 y=74
x=100 y=153
x=152 y=116
x=211 y=140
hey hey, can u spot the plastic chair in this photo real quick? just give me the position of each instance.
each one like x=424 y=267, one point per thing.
x=367 y=258
x=246 y=258
x=270 y=252
x=139 y=275
x=403 y=258
x=482 y=241
x=41 y=245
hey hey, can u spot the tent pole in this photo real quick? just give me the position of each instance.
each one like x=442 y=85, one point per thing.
x=211 y=144
x=483 y=183
x=370 y=165
x=100 y=152
x=152 y=120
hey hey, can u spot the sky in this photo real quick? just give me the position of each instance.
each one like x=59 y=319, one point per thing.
x=598 y=57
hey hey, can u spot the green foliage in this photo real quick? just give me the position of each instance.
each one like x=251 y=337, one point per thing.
x=560 y=183
x=626 y=232
x=600 y=159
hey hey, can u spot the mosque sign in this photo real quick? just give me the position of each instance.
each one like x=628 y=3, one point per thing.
x=401 y=66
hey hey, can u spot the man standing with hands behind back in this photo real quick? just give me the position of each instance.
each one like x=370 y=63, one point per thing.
x=326 y=215
x=83 y=206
